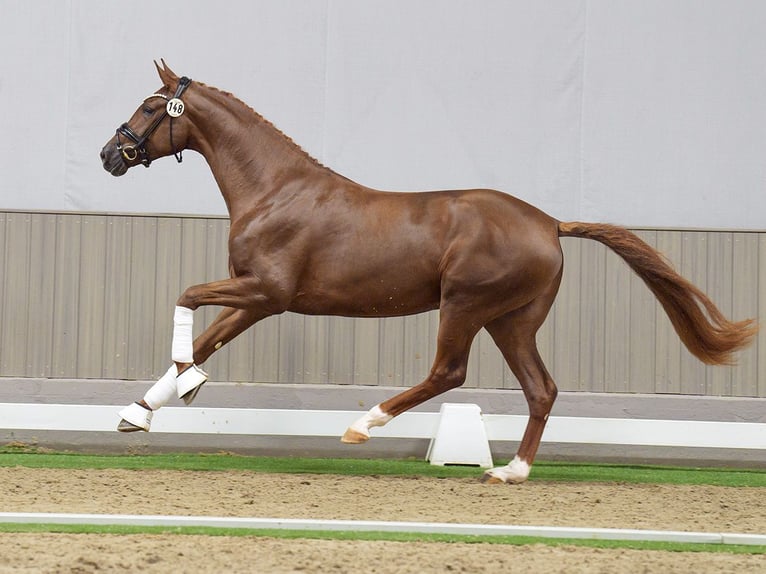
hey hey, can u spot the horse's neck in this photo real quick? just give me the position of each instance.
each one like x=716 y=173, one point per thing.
x=245 y=152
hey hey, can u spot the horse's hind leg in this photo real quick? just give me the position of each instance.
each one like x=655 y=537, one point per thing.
x=448 y=372
x=514 y=334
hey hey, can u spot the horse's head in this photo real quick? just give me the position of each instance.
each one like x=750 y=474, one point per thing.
x=157 y=128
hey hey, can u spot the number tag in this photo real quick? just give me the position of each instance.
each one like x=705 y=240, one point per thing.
x=175 y=107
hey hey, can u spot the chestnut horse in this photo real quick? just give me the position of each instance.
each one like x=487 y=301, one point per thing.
x=308 y=240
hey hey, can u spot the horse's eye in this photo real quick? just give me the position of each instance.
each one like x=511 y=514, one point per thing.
x=147 y=111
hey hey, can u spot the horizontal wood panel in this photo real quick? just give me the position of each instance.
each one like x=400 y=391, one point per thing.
x=92 y=296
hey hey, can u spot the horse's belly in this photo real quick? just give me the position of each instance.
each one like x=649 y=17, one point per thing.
x=367 y=300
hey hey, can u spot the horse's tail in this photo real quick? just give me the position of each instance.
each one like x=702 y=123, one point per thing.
x=704 y=330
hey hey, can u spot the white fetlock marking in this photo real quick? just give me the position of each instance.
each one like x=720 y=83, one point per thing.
x=137 y=415
x=182 y=350
x=518 y=470
x=189 y=380
x=163 y=390
x=373 y=418
x=514 y=472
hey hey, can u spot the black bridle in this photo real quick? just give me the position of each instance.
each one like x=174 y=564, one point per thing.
x=138 y=149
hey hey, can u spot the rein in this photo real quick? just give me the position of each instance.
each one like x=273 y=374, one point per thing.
x=173 y=109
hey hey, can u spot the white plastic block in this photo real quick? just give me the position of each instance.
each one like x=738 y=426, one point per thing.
x=460 y=437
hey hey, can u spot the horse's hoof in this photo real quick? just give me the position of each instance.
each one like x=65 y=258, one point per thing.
x=352 y=436
x=489 y=478
x=125 y=426
x=189 y=382
x=135 y=417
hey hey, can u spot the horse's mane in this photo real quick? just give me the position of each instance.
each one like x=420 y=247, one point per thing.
x=267 y=123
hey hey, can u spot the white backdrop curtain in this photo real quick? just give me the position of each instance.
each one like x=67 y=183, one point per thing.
x=648 y=113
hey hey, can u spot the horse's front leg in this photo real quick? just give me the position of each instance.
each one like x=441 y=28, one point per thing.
x=184 y=377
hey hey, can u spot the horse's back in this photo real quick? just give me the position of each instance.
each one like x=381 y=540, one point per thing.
x=474 y=224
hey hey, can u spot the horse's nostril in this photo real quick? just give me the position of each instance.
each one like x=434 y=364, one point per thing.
x=103 y=155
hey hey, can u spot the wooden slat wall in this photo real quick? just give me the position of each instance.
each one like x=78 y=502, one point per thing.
x=92 y=296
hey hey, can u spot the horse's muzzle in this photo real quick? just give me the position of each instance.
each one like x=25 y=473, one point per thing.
x=112 y=160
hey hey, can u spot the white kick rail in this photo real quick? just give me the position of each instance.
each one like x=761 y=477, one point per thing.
x=328 y=423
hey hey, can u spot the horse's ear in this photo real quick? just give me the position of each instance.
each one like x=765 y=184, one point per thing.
x=168 y=77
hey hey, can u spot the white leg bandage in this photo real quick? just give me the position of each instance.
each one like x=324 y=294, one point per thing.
x=189 y=380
x=163 y=390
x=183 y=322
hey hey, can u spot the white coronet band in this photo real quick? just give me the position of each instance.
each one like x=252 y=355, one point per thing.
x=518 y=470
x=514 y=472
x=375 y=417
x=137 y=415
x=163 y=390
x=182 y=350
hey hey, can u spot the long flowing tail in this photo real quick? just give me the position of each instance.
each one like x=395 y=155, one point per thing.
x=702 y=327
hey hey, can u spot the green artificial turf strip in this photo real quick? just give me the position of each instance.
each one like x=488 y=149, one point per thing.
x=20 y=455
x=567 y=472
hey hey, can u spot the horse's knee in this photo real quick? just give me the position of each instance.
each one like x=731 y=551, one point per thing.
x=188 y=299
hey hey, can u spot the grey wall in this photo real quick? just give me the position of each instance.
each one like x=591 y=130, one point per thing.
x=650 y=114
x=92 y=296
x=644 y=113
